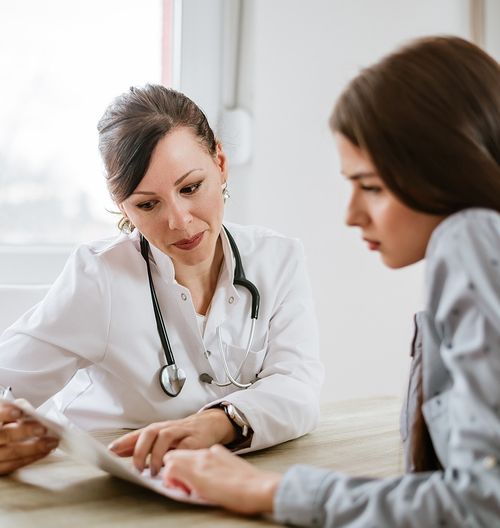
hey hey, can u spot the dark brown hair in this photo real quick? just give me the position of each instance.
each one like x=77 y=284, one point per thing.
x=133 y=124
x=429 y=117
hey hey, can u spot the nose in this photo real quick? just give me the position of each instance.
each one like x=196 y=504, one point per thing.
x=355 y=215
x=178 y=215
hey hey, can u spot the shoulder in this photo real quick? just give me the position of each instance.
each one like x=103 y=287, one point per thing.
x=100 y=255
x=463 y=259
x=256 y=239
x=478 y=228
x=469 y=240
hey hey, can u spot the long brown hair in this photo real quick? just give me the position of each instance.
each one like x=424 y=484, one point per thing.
x=429 y=117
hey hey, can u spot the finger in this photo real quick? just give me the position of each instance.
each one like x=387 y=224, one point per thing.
x=18 y=431
x=28 y=448
x=143 y=446
x=172 y=483
x=124 y=446
x=180 y=466
x=9 y=412
x=188 y=443
x=167 y=439
x=12 y=465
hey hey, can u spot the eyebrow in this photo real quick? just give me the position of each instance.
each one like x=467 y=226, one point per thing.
x=360 y=175
x=177 y=182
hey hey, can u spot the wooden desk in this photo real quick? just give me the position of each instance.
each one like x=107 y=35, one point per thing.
x=359 y=437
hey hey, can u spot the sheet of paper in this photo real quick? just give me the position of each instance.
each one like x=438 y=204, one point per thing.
x=81 y=446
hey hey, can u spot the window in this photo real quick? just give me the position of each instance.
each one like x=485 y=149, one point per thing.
x=62 y=63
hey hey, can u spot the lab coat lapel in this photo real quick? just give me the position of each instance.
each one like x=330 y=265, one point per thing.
x=225 y=298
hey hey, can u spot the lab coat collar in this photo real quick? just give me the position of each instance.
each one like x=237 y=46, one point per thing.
x=166 y=269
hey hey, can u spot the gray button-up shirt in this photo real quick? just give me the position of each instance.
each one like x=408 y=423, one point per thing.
x=457 y=349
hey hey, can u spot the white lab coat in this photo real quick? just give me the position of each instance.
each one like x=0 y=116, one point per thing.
x=93 y=340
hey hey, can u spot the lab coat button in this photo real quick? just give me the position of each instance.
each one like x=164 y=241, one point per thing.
x=489 y=462
x=231 y=300
x=207 y=353
x=184 y=296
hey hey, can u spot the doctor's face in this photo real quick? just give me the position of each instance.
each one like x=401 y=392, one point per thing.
x=387 y=225
x=178 y=205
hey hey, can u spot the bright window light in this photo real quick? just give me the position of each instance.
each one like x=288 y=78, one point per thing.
x=62 y=63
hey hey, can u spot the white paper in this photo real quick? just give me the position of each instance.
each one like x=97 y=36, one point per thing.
x=81 y=446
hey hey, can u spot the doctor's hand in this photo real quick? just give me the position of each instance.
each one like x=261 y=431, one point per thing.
x=222 y=478
x=22 y=440
x=199 y=430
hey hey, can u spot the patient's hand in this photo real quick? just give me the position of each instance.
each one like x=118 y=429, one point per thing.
x=222 y=478
x=199 y=430
x=22 y=440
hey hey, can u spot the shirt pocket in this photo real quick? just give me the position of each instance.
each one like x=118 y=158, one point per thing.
x=250 y=367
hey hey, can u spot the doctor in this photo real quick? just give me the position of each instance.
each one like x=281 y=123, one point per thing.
x=146 y=330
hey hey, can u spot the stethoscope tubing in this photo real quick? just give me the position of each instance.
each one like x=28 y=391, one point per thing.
x=239 y=280
x=160 y=324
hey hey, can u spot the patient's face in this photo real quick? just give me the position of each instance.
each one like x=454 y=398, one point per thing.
x=387 y=225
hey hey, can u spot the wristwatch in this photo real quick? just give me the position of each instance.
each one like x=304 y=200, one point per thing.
x=242 y=428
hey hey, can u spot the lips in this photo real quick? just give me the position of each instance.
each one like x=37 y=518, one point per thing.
x=373 y=245
x=189 y=243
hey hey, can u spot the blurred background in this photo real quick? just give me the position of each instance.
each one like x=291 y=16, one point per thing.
x=267 y=74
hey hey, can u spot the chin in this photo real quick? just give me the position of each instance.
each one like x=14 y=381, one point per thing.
x=398 y=263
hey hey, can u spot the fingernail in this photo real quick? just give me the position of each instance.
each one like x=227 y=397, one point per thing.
x=112 y=445
x=39 y=431
x=15 y=413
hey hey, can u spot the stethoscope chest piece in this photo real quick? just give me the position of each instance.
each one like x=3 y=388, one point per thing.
x=172 y=379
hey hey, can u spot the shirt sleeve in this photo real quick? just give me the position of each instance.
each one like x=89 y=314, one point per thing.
x=65 y=332
x=463 y=419
x=284 y=401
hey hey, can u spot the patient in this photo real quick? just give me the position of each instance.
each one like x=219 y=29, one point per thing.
x=419 y=140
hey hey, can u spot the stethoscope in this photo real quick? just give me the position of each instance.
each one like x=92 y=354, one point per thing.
x=172 y=378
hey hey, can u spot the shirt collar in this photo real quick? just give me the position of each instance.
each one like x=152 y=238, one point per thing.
x=166 y=268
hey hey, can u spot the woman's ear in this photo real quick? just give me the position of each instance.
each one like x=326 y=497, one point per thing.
x=221 y=161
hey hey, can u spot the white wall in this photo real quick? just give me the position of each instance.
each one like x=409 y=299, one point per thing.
x=303 y=53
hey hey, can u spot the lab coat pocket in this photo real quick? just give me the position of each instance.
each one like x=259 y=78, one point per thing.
x=250 y=367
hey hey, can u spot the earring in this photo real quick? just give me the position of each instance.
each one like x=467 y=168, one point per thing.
x=225 y=192
x=125 y=225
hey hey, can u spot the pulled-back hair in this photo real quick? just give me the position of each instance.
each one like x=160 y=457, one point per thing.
x=132 y=126
x=429 y=117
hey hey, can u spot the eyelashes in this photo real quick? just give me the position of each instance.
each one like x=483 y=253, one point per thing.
x=187 y=190
x=371 y=188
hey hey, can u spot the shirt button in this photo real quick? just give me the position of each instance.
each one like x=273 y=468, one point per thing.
x=231 y=300
x=184 y=296
x=489 y=462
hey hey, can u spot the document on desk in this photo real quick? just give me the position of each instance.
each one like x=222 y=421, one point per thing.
x=81 y=446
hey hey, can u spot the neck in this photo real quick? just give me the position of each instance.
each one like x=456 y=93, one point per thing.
x=201 y=280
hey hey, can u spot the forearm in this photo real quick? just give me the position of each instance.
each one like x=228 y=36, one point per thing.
x=309 y=496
